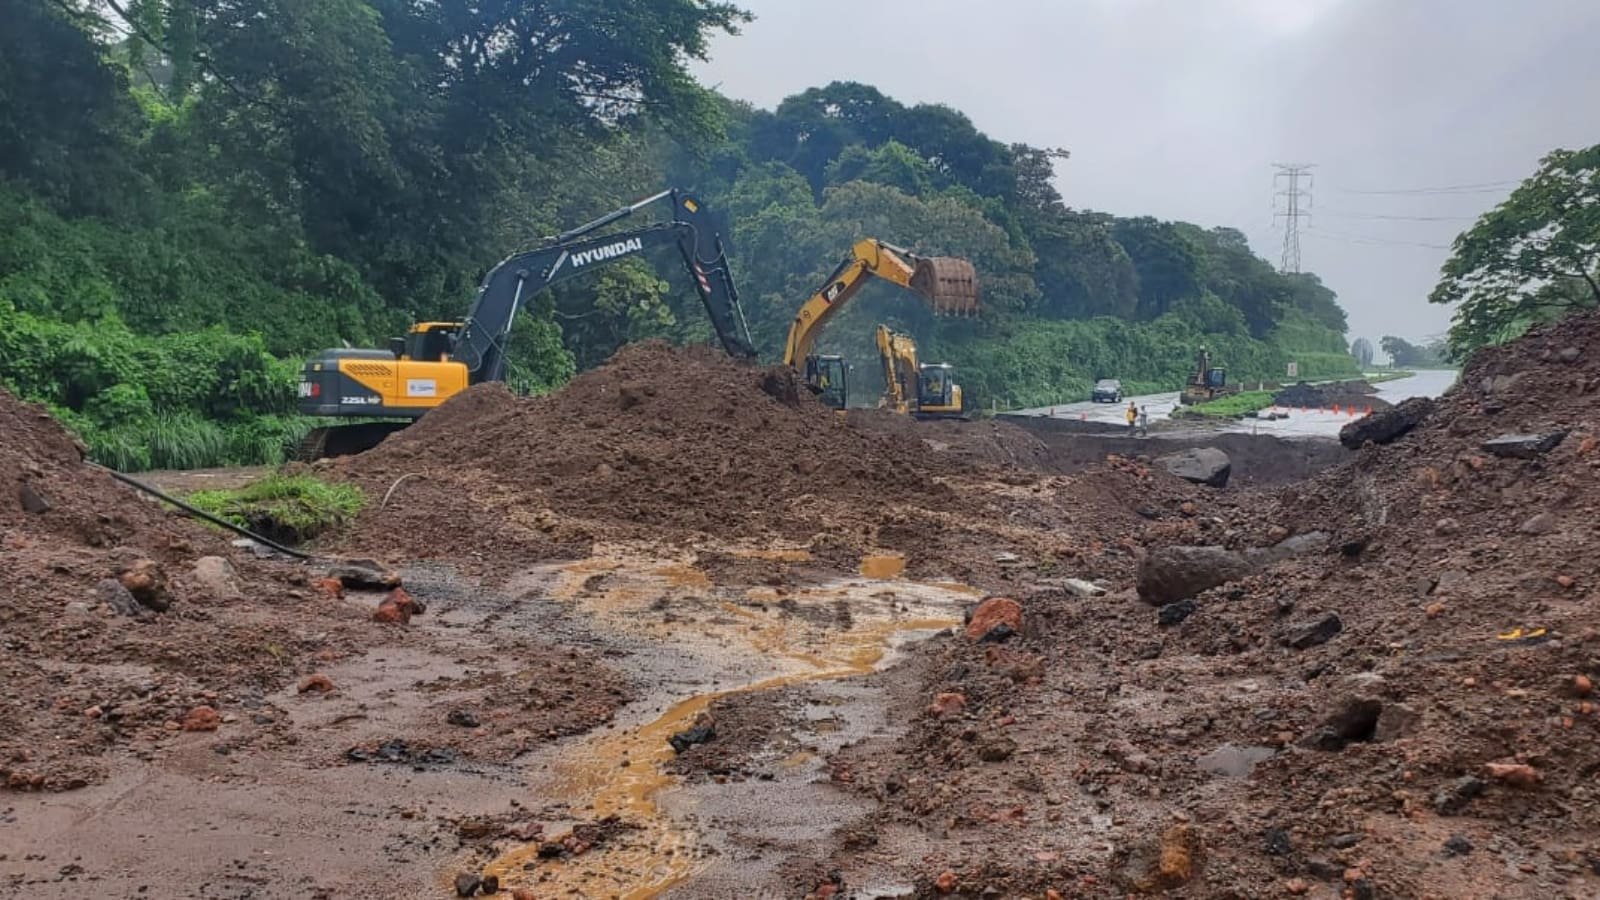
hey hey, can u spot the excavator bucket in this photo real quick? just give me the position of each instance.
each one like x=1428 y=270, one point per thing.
x=949 y=284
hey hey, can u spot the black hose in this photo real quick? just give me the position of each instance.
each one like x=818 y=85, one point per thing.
x=200 y=513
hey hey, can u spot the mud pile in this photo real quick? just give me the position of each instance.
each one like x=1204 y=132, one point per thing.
x=660 y=443
x=1344 y=394
x=108 y=630
x=1398 y=702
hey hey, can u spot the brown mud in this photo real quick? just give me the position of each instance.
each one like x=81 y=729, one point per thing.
x=1395 y=702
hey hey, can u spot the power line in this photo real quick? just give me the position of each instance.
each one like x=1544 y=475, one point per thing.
x=1341 y=214
x=1296 y=205
x=1486 y=187
x=1369 y=239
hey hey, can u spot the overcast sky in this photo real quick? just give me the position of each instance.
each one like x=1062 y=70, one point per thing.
x=1179 y=108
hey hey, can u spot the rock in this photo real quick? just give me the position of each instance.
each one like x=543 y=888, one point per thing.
x=489 y=885
x=1500 y=384
x=1176 y=858
x=111 y=592
x=1582 y=685
x=1346 y=841
x=1077 y=587
x=1568 y=354
x=462 y=718
x=364 y=575
x=467 y=884
x=998 y=634
x=216 y=577
x=1386 y=426
x=946 y=882
x=1451 y=799
x=1277 y=842
x=689 y=737
x=1175 y=613
x=1395 y=722
x=522 y=894
x=147 y=583
x=1297 y=887
x=1171 y=574
x=202 y=718
x=1524 y=446
x=1201 y=465
x=1309 y=633
x=947 y=704
x=1289 y=548
x=32 y=501
x=1515 y=774
x=397 y=608
x=996 y=748
x=1542 y=523
x=1446 y=527
x=318 y=682
x=1457 y=846
x=992 y=613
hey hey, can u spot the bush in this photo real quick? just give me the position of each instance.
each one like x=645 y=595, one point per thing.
x=285 y=508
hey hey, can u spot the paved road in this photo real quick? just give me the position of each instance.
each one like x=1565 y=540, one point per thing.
x=1427 y=383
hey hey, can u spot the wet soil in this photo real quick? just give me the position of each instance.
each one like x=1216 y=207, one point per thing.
x=1402 y=709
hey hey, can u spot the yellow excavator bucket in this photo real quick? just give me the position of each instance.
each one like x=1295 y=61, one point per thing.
x=949 y=284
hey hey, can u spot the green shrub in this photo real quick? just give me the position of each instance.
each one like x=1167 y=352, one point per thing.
x=287 y=508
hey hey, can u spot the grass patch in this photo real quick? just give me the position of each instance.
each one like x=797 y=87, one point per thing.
x=1231 y=407
x=289 y=509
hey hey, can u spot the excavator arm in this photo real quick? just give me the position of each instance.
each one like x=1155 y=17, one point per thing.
x=509 y=285
x=899 y=357
x=949 y=285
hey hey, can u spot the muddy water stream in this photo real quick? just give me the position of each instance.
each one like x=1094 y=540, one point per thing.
x=741 y=641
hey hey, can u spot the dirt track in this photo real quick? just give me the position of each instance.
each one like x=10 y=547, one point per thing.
x=675 y=541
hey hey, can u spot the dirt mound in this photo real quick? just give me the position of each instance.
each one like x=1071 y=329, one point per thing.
x=1406 y=713
x=661 y=443
x=107 y=633
x=1356 y=394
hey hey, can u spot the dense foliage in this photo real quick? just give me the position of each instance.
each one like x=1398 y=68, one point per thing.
x=1533 y=258
x=194 y=194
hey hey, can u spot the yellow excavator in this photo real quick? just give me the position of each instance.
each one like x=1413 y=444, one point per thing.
x=923 y=390
x=1206 y=382
x=949 y=286
x=437 y=360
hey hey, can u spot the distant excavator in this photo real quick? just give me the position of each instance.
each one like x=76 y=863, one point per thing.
x=1206 y=382
x=437 y=360
x=923 y=390
x=948 y=284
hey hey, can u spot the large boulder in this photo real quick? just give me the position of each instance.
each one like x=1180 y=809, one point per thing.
x=1201 y=465
x=1171 y=574
x=1387 y=425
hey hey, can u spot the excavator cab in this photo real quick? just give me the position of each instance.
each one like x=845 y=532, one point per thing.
x=936 y=381
x=431 y=341
x=829 y=377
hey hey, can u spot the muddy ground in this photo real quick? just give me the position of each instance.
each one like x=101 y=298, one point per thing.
x=687 y=633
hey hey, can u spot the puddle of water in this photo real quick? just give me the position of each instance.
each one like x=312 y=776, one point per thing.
x=622 y=773
x=1233 y=762
x=883 y=567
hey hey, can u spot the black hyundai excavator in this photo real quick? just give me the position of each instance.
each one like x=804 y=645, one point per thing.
x=437 y=360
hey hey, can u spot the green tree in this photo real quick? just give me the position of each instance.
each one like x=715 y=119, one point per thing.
x=1403 y=353
x=1534 y=257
